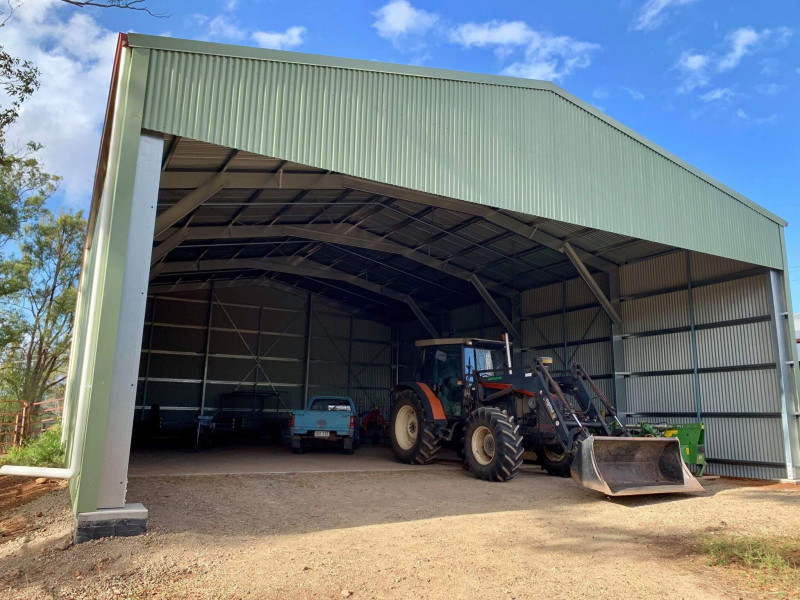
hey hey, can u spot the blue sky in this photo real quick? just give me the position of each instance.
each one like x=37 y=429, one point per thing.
x=715 y=82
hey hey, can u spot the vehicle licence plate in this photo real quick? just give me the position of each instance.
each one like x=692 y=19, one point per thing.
x=322 y=434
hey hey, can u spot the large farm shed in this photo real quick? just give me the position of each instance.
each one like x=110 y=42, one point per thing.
x=266 y=221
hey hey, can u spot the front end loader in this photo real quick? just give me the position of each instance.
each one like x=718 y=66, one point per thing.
x=466 y=396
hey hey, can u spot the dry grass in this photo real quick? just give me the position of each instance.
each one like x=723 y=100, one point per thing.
x=772 y=563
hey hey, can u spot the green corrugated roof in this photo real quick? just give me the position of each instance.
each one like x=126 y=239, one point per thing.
x=517 y=144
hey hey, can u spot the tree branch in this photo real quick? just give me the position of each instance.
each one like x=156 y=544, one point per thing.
x=124 y=4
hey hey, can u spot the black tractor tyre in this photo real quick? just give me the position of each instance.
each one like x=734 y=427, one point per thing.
x=416 y=442
x=492 y=445
x=555 y=460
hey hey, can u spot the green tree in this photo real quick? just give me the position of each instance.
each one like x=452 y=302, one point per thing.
x=24 y=189
x=40 y=314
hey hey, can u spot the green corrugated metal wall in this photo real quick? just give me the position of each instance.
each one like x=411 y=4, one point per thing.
x=526 y=146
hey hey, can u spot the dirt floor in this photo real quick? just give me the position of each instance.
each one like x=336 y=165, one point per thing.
x=419 y=532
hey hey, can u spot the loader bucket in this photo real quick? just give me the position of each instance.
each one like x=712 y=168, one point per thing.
x=625 y=466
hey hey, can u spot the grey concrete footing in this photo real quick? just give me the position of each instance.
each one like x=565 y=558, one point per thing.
x=794 y=481
x=108 y=522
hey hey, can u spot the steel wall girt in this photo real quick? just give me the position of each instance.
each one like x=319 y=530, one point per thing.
x=590 y=282
x=338 y=233
x=481 y=210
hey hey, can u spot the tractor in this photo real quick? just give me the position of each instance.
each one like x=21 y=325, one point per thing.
x=467 y=396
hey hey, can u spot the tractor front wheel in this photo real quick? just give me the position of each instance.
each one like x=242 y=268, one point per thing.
x=492 y=445
x=413 y=438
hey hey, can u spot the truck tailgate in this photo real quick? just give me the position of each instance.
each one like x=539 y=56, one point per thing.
x=321 y=420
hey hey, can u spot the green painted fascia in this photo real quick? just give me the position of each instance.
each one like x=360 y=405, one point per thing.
x=246 y=52
x=110 y=279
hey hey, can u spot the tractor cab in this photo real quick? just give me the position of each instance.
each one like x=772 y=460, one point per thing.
x=450 y=367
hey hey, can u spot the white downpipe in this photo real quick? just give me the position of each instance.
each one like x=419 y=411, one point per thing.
x=75 y=456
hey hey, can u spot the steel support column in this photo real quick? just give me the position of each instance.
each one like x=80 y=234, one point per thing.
x=693 y=335
x=618 y=347
x=130 y=324
x=349 y=353
x=788 y=395
x=564 y=324
x=206 y=351
x=147 y=359
x=307 y=366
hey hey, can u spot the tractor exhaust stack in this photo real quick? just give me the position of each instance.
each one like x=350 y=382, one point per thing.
x=625 y=466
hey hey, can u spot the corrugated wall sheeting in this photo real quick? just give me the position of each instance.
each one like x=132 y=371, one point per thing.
x=740 y=391
x=587 y=327
x=652 y=313
x=736 y=359
x=359 y=366
x=661 y=394
x=730 y=300
x=659 y=273
x=173 y=359
x=756 y=471
x=523 y=146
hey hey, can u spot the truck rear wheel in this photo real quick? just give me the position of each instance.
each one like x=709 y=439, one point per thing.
x=412 y=437
x=492 y=445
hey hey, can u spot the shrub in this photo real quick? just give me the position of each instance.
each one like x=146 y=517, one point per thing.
x=43 y=451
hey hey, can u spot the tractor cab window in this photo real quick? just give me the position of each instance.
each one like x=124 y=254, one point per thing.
x=485 y=361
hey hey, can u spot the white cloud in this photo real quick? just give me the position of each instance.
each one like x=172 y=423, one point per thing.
x=770 y=89
x=747 y=40
x=652 y=13
x=717 y=94
x=694 y=67
x=280 y=40
x=635 y=94
x=399 y=19
x=492 y=33
x=552 y=57
x=697 y=68
x=74 y=55
x=768 y=120
x=220 y=27
x=600 y=94
x=769 y=67
x=231 y=5
x=546 y=56
x=742 y=41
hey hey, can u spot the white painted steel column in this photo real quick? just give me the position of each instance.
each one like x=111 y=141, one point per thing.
x=786 y=388
x=114 y=478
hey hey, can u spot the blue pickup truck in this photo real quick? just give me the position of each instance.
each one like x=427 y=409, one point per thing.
x=327 y=420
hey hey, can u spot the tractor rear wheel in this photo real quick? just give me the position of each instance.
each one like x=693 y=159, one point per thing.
x=413 y=438
x=555 y=460
x=492 y=445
